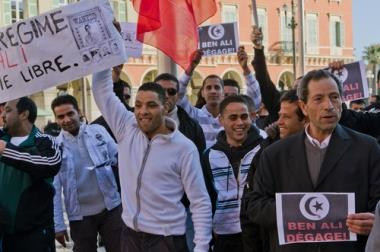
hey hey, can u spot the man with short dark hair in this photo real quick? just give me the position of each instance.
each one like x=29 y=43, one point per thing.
x=29 y=160
x=357 y=105
x=374 y=99
x=212 y=91
x=186 y=125
x=92 y=200
x=291 y=120
x=226 y=166
x=231 y=87
x=325 y=157
x=157 y=166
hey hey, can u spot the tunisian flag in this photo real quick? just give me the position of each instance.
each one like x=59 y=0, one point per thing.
x=171 y=25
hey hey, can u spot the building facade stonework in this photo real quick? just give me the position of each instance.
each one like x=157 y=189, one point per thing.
x=327 y=37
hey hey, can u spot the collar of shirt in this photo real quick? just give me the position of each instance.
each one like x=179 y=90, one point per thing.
x=204 y=109
x=173 y=112
x=173 y=115
x=315 y=142
x=68 y=136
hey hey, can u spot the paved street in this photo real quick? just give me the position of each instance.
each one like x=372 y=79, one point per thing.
x=70 y=246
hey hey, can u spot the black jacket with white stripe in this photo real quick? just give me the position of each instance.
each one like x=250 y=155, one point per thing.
x=26 y=174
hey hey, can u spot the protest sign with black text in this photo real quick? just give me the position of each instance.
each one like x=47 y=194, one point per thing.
x=314 y=217
x=58 y=46
x=133 y=47
x=353 y=78
x=219 y=39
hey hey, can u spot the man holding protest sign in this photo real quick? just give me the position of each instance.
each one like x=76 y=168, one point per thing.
x=367 y=123
x=319 y=160
x=157 y=167
x=29 y=160
x=213 y=93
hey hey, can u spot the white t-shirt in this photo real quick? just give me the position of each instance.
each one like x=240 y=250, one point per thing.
x=18 y=140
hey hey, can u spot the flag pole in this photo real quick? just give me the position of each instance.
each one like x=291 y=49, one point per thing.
x=301 y=36
x=166 y=64
x=254 y=13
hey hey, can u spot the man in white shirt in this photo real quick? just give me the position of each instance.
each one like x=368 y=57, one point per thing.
x=157 y=165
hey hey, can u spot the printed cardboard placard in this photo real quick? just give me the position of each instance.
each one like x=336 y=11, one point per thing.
x=314 y=217
x=353 y=78
x=58 y=46
x=219 y=39
x=133 y=47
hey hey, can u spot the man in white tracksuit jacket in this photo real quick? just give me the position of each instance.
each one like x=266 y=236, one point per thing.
x=157 y=164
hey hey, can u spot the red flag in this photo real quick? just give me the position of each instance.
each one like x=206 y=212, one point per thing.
x=171 y=25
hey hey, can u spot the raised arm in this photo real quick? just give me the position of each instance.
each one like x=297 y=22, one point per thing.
x=113 y=110
x=184 y=80
x=364 y=122
x=270 y=95
x=253 y=88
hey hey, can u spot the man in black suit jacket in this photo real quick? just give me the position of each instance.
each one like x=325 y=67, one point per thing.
x=326 y=157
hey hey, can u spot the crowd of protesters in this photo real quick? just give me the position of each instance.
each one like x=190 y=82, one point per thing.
x=168 y=176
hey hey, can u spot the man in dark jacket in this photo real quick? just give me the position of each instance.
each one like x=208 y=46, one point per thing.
x=29 y=160
x=186 y=125
x=325 y=157
x=291 y=121
x=367 y=123
x=226 y=166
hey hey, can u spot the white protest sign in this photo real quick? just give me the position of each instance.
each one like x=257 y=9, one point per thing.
x=314 y=217
x=219 y=39
x=58 y=46
x=133 y=47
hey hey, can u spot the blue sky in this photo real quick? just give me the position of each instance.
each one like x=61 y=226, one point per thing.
x=366 y=24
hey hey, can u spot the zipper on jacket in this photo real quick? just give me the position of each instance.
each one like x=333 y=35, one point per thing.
x=138 y=208
x=238 y=181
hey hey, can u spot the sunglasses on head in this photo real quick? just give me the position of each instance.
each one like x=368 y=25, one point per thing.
x=171 y=91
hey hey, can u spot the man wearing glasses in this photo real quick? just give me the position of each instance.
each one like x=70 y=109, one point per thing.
x=186 y=125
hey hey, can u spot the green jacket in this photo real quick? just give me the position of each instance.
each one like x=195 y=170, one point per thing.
x=26 y=174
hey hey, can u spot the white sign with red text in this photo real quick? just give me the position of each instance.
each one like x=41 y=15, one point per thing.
x=58 y=46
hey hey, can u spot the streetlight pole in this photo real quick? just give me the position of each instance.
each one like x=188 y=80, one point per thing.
x=292 y=25
x=301 y=18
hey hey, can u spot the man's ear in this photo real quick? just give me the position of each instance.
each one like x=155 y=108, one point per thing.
x=303 y=107
x=166 y=106
x=202 y=94
x=24 y=115
x=220 y=117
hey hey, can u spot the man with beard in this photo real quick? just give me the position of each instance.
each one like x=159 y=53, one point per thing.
x=157 y=166
x=29 y=160
x=92 y=200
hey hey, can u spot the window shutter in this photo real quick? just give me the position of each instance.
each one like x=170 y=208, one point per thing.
x=7 y=17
